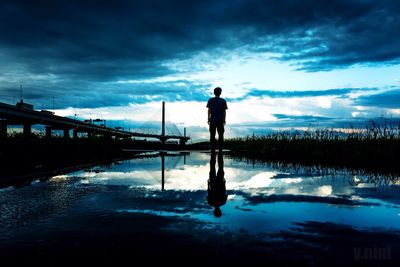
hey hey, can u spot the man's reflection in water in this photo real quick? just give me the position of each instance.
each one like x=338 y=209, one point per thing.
x=216 y=185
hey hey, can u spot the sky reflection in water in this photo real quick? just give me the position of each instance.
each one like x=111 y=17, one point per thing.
x=261 y=197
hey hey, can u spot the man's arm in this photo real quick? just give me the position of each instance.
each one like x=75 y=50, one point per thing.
x=226 y=107
x=209 y=115
x=224 y=116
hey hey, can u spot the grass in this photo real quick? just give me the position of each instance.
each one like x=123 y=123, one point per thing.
x=375 y=147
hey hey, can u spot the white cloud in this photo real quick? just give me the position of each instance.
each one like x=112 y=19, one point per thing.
x=242 y=71
x=324 y=102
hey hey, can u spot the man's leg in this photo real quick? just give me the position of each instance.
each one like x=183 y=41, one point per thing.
x=221 y=130
x=212 y=135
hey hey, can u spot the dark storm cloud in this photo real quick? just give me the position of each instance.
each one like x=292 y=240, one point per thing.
x=97 y=95
x=90 y=41
x=300 y=117
x=340 y=33
x=339 y=92
x=86 y=43
x=388 y=99
x=316 y=35
x=293 y=121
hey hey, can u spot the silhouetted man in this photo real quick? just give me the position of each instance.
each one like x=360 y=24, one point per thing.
x=216 y=117
x=216 y=185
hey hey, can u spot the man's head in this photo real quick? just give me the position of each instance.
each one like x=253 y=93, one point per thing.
x=217 y=212
x=217 y=91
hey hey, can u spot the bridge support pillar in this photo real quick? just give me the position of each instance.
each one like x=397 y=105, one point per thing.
x=66 y=133
x=48 y=132
x=163 y=139
x=3 y=128
x=89 y=134
x=182 y=142
x=108 y=137
x=27 y=129
x=75 y=133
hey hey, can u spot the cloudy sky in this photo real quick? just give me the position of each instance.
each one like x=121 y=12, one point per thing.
x=279 y=63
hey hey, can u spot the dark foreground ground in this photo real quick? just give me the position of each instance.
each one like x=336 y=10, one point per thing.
x=131 y=240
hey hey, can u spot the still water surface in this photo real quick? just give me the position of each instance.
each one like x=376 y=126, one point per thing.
x=252 y=199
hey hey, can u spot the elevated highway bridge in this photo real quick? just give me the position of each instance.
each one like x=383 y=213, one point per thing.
x=24 y=114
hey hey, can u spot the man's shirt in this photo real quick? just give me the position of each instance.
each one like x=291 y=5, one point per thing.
x=217 y=106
